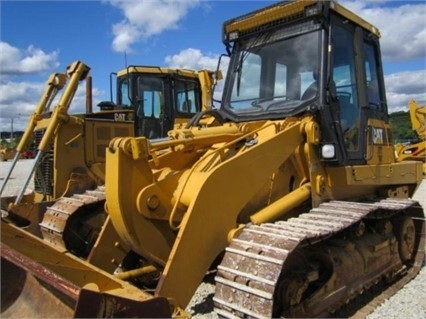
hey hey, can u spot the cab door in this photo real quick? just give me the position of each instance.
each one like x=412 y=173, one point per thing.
x=153 y=99
x=358 y=79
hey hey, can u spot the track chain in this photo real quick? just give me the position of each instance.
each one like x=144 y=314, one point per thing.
x=250 y=271
x=55 y=218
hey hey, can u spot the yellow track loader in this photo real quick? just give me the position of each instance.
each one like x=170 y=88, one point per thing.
x=290 y=193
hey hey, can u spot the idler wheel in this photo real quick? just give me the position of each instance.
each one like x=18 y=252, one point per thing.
x=405 y=232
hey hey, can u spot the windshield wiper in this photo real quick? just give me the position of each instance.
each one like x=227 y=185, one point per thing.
x=258 y=102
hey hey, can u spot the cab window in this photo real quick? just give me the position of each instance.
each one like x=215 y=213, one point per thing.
x=373 y=92
x=123 y=94
x=187 y=97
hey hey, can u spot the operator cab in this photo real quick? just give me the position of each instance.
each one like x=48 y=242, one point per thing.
x=159 y=97
x=310 y=59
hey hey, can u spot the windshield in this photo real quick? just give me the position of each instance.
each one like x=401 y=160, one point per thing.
x=271 y=77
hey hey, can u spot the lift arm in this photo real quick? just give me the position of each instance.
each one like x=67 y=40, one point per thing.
x=55 y=83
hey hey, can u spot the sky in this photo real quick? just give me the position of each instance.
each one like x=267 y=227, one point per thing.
x=38 y=38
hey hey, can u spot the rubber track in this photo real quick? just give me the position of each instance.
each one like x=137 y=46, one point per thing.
x=249 y=272
x=55 y=218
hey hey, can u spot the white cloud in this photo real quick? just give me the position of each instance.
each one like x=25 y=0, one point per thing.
x=192 y=59
x=147 y=18
x=18 y=92
x=403 y=86
x=19 y=99
x=15 y=61
x=403 y=27
x=125 y=35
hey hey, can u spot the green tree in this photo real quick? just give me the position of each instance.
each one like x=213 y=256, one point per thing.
x=401 y=127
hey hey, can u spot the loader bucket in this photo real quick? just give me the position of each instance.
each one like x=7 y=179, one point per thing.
x=24 y=295
x=92 y=304
x=38 y=281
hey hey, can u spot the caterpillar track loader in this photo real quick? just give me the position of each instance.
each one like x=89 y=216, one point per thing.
x=290 y=193
x=415 y=150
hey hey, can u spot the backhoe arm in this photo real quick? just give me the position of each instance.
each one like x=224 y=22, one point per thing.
x=418 y=119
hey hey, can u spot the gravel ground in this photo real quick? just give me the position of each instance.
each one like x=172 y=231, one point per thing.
x=408 y=302
x=17 y=178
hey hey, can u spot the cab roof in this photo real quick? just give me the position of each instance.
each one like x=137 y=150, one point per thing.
x=281 y=12
x=158 y=70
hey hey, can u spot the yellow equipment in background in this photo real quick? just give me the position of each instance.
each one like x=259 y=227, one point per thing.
x=290 y=193
x=415 y=150
x=7 y=153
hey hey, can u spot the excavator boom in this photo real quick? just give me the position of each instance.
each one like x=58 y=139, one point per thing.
x=415 y=150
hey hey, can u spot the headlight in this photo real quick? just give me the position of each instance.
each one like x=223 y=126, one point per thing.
x=328 y=151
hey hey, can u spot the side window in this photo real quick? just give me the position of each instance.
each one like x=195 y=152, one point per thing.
x=373 y=92
x=187 y=96
x=152 y=103
x=344 y=78
x=123 y=94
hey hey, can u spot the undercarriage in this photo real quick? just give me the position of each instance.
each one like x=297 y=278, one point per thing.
x=312 y=265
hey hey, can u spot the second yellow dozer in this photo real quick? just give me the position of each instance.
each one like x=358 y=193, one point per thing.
x=290 y=193
x=150 y=101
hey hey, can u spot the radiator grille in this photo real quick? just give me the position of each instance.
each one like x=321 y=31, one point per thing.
x=43 y=175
